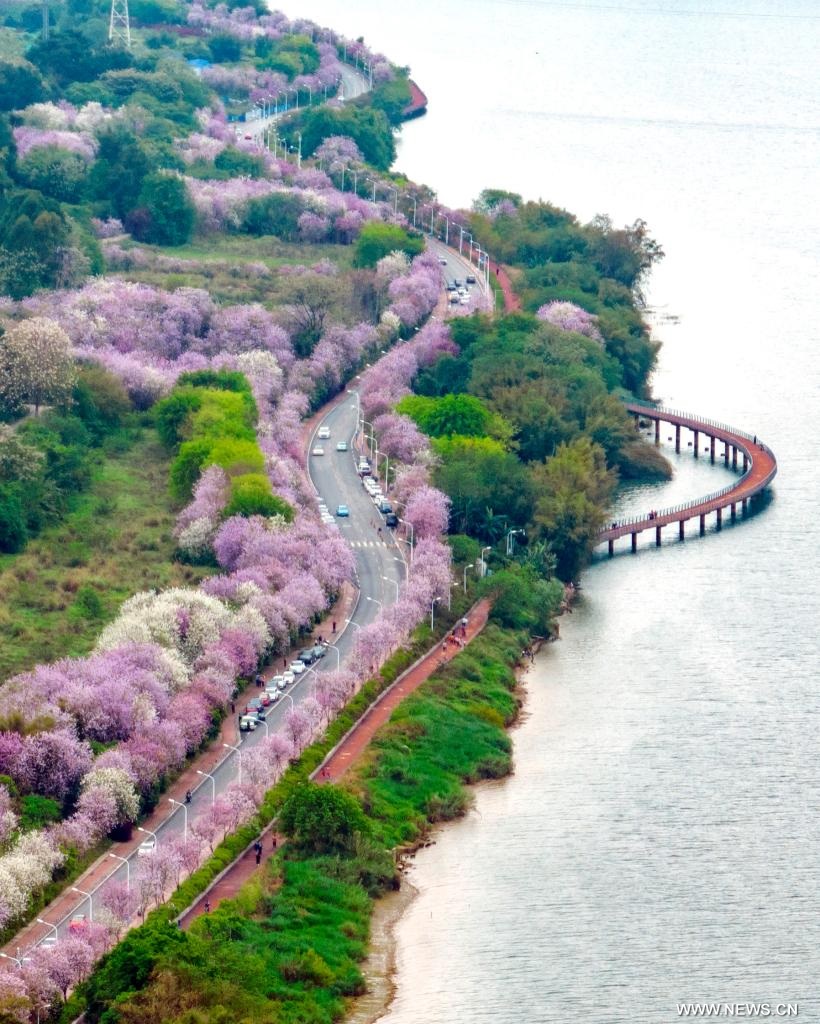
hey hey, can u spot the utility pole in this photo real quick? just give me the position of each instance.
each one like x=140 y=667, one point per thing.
x=119 y=24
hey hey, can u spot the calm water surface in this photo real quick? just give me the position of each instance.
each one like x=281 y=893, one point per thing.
x=660 y=840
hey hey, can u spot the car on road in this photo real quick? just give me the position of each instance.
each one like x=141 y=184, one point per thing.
x=307 y=657
x=458 y=282
x=364 y=469
x=276 y=682
x=342 y=511
x=465 y=300
x=322 y=507
x=145 y=849
x=341 y=446
x=318 y=450
x=453 y=298
x=370 y=484
x=385 y=507
x=451 y=287
x=273 y=694
x=288 y=677
x=247 y=723
x=253 y=706
x=77 y=923
x=470 y=279
x=442 y=261
x=327 y=519
x=378 y=498
x=391 y=520
x=48 y=942
x=324 y=433
x=319 y=651
x=297 y=666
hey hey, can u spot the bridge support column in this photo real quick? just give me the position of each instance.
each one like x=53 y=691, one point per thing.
x=744 y=504
x=726 y=453
x=657 y=431
x=745 y=462
x=734 y=458
x=658 y=536
x=677 y=438
x=681 y=530
x=712 y=449
x=697 y=443
x=702 y=524
x=611 y=547
x=634 y=542
x=719 y=517
x=734 y=510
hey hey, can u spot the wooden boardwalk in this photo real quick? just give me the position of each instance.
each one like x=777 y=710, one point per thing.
x=759 y=468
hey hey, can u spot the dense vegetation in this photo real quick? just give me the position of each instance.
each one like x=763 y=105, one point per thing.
x=288 y=948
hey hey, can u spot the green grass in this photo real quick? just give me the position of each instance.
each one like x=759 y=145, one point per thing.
x=287 y=949
x=72 y=579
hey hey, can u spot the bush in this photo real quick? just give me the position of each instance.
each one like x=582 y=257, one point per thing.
x=251 y=495
x=38 y=811
x=377 y=240
x=13 y=530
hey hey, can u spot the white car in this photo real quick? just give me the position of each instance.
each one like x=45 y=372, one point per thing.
x=318 y=450
x=247 y=723
x=147 y=847
x=323 y=508
x=442 y=261
x=276 y=681
x=298 y=667
x=341 y=446
x=378 y=497
x=273 y=693
x=324 y=433
x=288 y=677
x=465 y=300
x=328 y=519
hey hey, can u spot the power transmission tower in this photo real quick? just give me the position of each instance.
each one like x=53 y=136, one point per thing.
x=119 y=27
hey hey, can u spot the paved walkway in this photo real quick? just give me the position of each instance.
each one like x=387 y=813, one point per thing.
x=343 y=755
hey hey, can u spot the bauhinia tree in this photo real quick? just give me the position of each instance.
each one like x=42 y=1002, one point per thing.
x=36 y=365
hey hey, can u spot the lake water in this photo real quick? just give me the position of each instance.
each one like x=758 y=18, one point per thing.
x=659 y=842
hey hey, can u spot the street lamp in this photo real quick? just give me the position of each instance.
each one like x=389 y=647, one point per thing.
x=386 y=469
x=127 y=864
x=238 y=752
x=89 y=897
x=484 y=560
x=433 y=604
x=412 y=531
x=292 y=702
x=350 y=622
x=18 y=960
x=213 y=784
x=176 y=803
x=48 y=924
x=466 y=567
x=374 y=187
x=299 y=136
x=395 y=584
x=510 y=540
x=374 y=601
x=337 y=652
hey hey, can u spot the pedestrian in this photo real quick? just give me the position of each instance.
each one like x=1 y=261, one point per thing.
x=188 y=796
x=259 y=856
x=233 y=707
x=273 y=842
x=207 y=906
x=334 y=625
x=284 y=662
x=755 y=439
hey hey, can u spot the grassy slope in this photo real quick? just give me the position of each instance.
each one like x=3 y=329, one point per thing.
x=117 y=539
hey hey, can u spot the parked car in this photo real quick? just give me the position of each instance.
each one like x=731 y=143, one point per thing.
x=364 y=468
x=288 y=677
x=391 y=520
x=319 y=651
x=78 y=921
x=341 y=446
x=458 y=283
x=318 y=450
x=385 y=507
x=253 y=705
x=273 y=693
x=465 y=300
x=145 y=849
x=470 y=279
x=265 y=698
x=307 y=657
x=247 y=723
x=276 y=681
x=297 y=666
x=378 y=497
x=442 y=261
x=324 y=433
x=451 y=287
x=342 y=511
x=453 y=298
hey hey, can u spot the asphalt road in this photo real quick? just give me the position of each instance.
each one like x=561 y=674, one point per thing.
x=458 y=267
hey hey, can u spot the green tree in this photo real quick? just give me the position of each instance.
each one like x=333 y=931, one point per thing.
x=251 y=495
x=170 y=211
x=235 y=163
x=56 y=172
x=20 y=84
x=451 y=414
x=70 y=56
x=224 y=48
x=523 y=600
x=377 y=240
x=277 y=214
x=323 y=819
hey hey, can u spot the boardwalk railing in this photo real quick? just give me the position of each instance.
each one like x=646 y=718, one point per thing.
x=672 y=509
x=652 y=407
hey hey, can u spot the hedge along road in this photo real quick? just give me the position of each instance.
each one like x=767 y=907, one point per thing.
x=337 y=481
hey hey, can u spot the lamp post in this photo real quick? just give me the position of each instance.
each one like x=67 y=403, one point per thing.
x=433 y=604
x=386 y=469
x=48 y=924
x=484 y=560
x=395 y=584
x=412 y=531
x=299 y=136
x=89 y=896
x=292 y=702
x=511 y=541
x=374 y=187
x=338 y=653
x=238 y=752
x=374 y=601
x=127 y=864
x=18 y=960
x=414 y=210
x=213 y=784
x=395 y=192
x=466 y=567
x=176 y=803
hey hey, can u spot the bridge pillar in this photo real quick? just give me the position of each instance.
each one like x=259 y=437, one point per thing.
x=677 y=438
x=634 y=542
x=745 y=462
x=719 y=517
x=697 y=442
x=712 y=449
x=658 y=536
x=657 y=431
x=611 y=546
x=726 y=453
x=734 y=458
x=681 y=530
x=702 y=524
x=744 y=505
x=734 y=510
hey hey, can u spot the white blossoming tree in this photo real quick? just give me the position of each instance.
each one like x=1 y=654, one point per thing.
x=36 y=365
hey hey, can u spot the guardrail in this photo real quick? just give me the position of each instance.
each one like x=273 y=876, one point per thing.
x=651 y=407
x=673 y=509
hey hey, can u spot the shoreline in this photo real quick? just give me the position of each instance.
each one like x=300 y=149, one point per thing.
x=380 y=965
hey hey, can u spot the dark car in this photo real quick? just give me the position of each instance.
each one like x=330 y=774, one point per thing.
x=385 y=507
x=391 y=520
x=470 y=279
x=307 y=656
x=253 y=706
x=319 y=651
